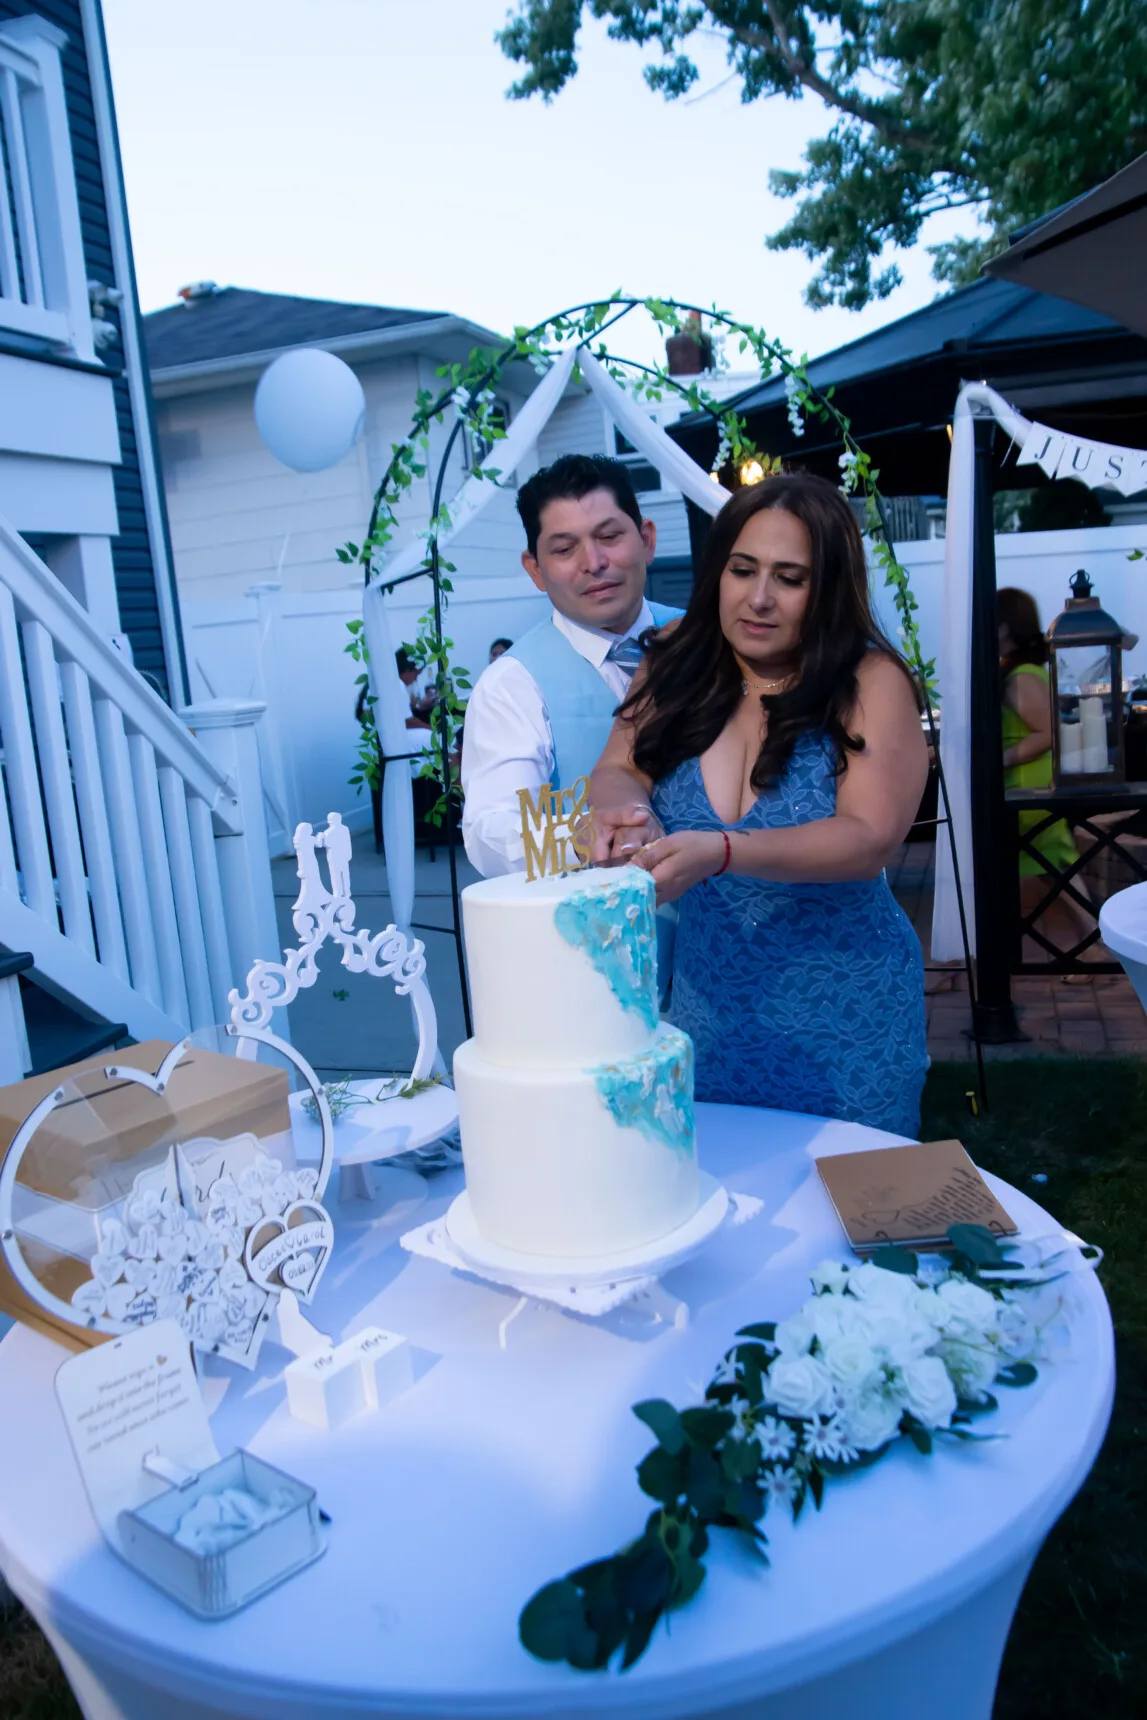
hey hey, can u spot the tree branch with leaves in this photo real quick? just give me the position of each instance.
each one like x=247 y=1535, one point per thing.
x=1011 y=107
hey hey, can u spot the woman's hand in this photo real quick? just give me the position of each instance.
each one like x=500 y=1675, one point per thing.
x=678 y=862
x=620 y=832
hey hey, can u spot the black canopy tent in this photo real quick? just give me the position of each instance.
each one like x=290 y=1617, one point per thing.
x=1066 y=365
x=1092 y=251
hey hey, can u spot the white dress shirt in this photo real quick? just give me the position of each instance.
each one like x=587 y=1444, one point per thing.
x=509 y=744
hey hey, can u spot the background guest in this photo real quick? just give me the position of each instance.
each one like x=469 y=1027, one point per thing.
x=775 y=734
x=499 y=649
x=1027 y=731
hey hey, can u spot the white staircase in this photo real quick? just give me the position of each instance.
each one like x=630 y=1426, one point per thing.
x=133 y=852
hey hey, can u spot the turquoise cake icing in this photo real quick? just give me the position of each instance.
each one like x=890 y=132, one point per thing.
x=615 y=928
x=653 y=1091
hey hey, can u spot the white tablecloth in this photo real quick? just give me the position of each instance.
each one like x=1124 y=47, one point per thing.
x=504 y=1468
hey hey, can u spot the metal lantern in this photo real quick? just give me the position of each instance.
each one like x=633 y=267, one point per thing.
x=1086 y=667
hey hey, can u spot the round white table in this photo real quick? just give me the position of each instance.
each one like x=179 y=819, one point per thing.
x=504 y=1468
x=1123 y=925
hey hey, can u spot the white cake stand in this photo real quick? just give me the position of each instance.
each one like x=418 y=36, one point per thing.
x=546 y=1273
x=383 y=1129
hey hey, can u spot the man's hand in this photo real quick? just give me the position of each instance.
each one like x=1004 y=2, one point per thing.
x=620 y=832
x=678 y=862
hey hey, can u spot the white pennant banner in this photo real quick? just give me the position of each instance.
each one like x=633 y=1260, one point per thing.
x=1099 y=465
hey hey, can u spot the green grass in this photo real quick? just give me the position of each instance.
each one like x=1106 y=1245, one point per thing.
x=1079 y=1643
x=1078 y=1647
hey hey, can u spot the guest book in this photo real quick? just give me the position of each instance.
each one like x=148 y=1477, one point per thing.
x=910 y=1195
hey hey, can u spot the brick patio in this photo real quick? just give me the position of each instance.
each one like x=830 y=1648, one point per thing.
x=1100 y=1018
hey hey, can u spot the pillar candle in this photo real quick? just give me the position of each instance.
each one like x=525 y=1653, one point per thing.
x=1070 y=747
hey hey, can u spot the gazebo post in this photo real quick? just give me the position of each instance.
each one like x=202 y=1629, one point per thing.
x=993 y=851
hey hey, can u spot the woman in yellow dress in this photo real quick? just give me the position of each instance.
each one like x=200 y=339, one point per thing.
x=1027 y=720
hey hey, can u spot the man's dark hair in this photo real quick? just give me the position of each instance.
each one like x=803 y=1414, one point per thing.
x=568 y=480
x=402 y=661
x=504 y=643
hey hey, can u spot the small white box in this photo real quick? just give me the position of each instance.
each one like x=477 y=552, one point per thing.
x=214 y=1585
x=387 y=1364
x=326 y=1388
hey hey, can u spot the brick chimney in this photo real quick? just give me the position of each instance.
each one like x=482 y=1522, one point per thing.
x=691 y=351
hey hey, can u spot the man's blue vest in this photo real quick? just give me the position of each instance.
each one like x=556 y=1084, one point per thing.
x=579 y=703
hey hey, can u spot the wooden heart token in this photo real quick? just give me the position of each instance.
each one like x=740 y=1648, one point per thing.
x=291 y=1252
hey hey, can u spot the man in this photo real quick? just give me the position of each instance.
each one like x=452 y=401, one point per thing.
x=543 y=711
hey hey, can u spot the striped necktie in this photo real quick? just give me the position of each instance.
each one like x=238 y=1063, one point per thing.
x=626 y=653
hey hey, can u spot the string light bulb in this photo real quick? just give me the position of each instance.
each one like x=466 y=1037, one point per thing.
x=752 y=472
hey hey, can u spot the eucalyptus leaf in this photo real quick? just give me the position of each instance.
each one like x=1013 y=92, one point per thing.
x=1018 y=1374
x=893 y=1258
x=663 y=1422
x=978 y=1244
x=550 y=1619
x=706 y=1427
x=662 y=1475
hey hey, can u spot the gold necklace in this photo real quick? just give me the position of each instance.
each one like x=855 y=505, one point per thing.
x=766 y=687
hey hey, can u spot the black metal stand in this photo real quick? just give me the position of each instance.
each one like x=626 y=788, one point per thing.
x=1078 y=807
x=945 y=822
x=996 y=877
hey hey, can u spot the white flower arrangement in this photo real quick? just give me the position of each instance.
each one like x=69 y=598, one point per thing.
x=894 y=1348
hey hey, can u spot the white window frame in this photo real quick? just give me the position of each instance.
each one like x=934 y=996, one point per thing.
x=43 y=279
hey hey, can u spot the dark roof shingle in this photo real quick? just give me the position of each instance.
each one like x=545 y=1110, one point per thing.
x=233 y=321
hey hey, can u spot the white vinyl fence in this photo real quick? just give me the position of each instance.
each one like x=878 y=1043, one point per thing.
x=1041 y=563
x=288 y=649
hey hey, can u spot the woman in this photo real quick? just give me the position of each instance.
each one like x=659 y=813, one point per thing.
x=1027 y=720
x=773 y=734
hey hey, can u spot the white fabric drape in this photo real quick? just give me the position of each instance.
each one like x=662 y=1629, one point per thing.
x=676 y=468
x=393 y=706
x=1099 y=465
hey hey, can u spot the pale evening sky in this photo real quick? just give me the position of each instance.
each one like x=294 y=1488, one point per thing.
x=364 y=150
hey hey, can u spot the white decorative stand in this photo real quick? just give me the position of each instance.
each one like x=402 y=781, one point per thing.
x=592 y=1289
x=388 y=1125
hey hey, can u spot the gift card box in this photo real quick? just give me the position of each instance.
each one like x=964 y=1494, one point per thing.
x=107 y=1138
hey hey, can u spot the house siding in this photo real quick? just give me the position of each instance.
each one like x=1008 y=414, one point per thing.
x=132 y=556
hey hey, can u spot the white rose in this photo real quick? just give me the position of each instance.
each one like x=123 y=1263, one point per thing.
x=799 y=1386
x=880 y=1288
x=830 y=1275
x=972 y=1367
x=898 y=1333
x=827 y=1315
x=851 y=1362
x=872 y=1419
x=964 y=1308
x=928 y=1391
x=794 y=1337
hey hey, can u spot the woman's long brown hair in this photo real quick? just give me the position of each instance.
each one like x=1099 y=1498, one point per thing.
x=694 y=684
x=1016 y=610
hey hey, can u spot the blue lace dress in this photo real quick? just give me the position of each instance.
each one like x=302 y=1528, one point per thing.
x=801 y=997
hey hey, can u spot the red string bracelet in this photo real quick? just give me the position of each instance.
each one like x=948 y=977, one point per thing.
x=724 y=866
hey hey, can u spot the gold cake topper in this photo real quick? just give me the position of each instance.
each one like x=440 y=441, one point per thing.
x=557 y=837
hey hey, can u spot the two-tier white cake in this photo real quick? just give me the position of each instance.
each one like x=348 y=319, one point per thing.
x=575 y=1102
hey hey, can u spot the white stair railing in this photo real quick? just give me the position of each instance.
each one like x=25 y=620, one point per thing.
x=112 y=817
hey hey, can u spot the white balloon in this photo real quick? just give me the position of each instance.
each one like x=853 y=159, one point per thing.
x=309 y=408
